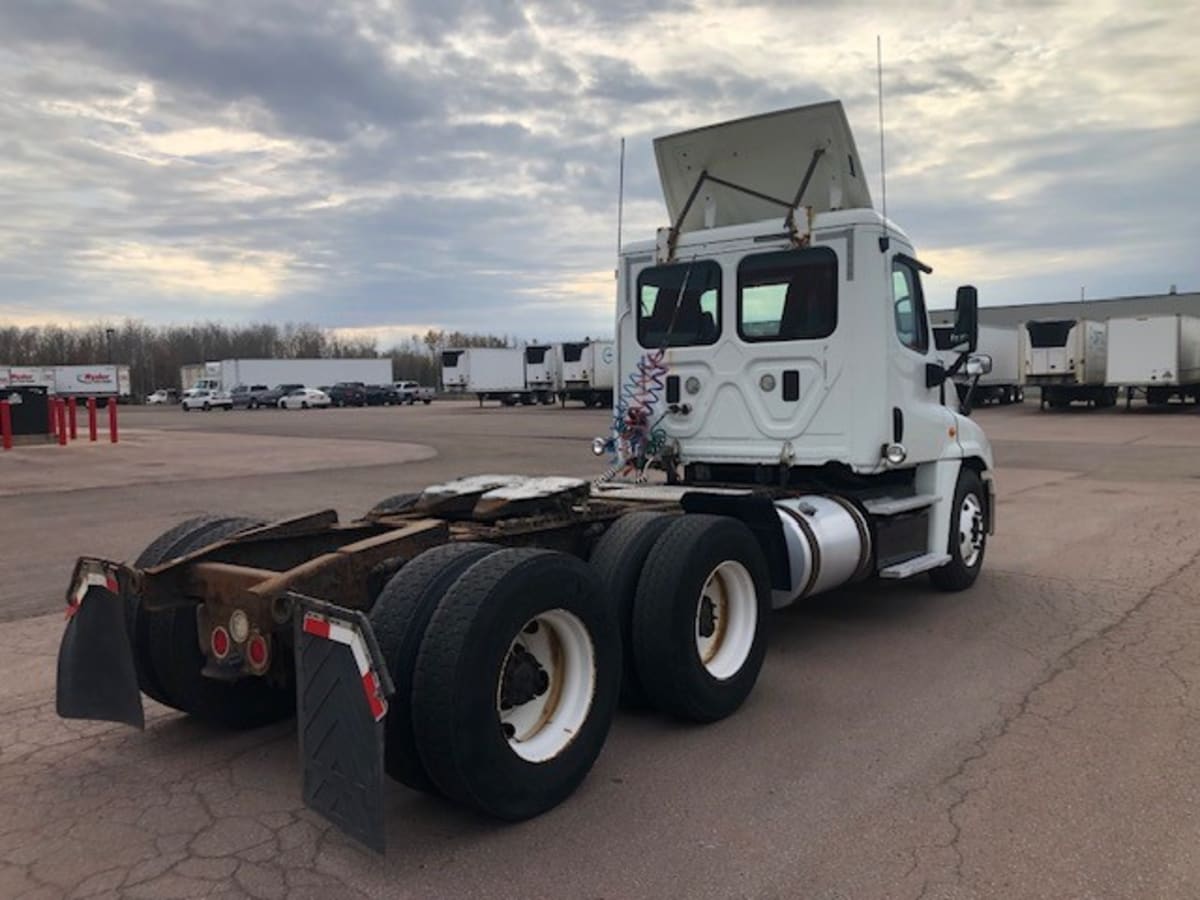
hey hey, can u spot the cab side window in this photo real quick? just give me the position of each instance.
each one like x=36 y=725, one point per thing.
x=908 y=300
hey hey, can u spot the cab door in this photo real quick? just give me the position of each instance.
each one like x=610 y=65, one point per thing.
x=917 y=410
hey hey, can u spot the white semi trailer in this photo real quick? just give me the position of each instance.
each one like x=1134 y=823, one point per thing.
x=1067 y=360
x=1157 y=356
x=587 y=372
x=780 y=385
x=999 y=343
x=512 y=375
x=225 y=374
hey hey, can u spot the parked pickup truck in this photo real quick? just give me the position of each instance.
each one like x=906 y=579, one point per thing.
x=410 y=392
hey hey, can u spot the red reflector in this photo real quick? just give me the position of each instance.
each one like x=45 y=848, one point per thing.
x=256 y=651
x=220 y=642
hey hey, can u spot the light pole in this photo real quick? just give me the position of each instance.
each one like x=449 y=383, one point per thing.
x=108 y=334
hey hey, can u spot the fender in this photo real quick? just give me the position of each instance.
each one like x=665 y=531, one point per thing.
x=758 y=514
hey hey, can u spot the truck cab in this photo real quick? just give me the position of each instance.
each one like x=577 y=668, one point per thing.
x=777 y=332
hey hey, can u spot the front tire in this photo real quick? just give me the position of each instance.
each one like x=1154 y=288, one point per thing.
x=700 y=617
x=968 y=535
x=516 y=683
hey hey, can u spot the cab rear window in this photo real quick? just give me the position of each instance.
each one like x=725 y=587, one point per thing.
x=789 y=295
x=679 y=305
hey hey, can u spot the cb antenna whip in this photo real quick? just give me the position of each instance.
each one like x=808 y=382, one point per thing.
x=883 y=241
x=620 y=196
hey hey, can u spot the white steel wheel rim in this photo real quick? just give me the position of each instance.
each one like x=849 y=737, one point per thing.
x=726 y=619
x=970 y=530
x=542 y=726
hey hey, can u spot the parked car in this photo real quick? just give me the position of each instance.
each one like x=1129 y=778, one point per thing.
x=248 y=396
x=163 y=395
x=410 y=392
x=382 y=395
x=304 y=398
x=348 y=393
x=206 y=399
x=277 y=393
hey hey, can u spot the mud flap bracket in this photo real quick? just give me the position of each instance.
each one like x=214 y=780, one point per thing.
x=342 y=686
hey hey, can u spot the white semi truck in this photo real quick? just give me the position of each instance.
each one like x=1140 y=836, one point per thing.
x=1156 y=356
x=1002 y=384
x=1067 y=360
x=225 y=374
x=781 y=430
x=587 y=372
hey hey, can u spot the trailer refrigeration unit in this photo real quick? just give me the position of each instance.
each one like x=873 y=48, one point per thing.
x=587 y=372
x=456 y=371
x=1002 y=384
x=777 y=379
x=543 y=373
x=1066 y=359
x=1156 y=356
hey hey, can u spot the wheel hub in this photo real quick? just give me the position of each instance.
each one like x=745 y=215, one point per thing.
x=707 y=624
x=523 y=678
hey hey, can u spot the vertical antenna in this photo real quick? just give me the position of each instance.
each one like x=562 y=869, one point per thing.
x=883 y=241
x=620 y=197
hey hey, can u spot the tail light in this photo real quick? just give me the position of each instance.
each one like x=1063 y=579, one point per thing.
x=258 y=652
x=219 y=642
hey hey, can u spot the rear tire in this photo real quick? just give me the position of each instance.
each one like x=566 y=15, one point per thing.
x=968 y=535
x=617 y=560
x=175 y=653
x=700 y=617
x=516 y=683
x=399 y=619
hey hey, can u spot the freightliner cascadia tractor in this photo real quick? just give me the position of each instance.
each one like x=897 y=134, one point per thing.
x=780 y=428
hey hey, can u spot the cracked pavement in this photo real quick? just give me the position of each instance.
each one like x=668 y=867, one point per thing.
x=1035 y=736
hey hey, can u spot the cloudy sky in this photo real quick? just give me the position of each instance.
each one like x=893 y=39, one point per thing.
x=452 y=163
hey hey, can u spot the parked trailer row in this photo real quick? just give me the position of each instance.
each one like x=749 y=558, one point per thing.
x=1090 y=360
x=226 y=374
x=536 y=373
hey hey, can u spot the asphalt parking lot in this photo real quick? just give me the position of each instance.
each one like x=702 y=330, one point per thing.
x=1037 y=736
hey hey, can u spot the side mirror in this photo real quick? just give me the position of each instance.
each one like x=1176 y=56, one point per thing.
x=978 y=364
x=966 y=318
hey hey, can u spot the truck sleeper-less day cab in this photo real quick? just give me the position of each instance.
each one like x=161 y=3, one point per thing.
x=472 y=641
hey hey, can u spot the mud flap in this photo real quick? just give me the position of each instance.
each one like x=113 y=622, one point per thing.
x=96 y=675
x=342 y=686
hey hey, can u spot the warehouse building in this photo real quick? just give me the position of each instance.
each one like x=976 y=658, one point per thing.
x=1106 y=308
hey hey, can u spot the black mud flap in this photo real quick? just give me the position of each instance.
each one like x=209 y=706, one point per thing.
x=342 y=686
x=96 y=675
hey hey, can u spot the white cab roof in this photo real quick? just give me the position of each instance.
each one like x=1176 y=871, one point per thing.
x=769 y=154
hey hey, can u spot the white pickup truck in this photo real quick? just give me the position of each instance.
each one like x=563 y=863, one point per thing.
x=410 y=392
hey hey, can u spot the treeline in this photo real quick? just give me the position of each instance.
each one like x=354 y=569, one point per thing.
x=155 y=353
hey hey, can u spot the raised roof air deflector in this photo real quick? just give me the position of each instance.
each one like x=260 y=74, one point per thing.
x=767 y=155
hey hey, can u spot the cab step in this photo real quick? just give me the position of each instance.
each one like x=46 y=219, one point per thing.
x=892 y=506
x=915 y=566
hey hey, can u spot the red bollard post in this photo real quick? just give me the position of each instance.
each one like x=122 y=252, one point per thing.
x=112 y=419
x=5 y=425
x=71 y=417
x=51 y=403
x=91 y=405
x=61 y=416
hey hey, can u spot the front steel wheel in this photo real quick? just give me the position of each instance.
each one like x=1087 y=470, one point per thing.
x=968 y=535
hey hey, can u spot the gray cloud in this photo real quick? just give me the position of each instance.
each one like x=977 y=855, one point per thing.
x=454 y=162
